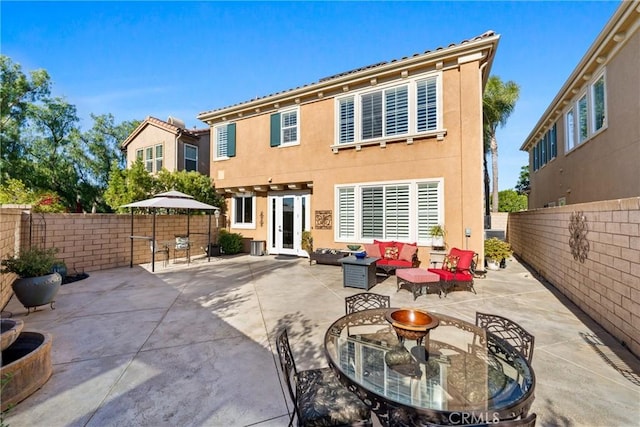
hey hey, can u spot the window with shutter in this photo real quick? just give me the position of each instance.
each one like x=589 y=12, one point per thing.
x=428 y=209
x=372 y=115
x=346 y=213
x=397 y=111
x=221 y=141
x=427 y=105
x=372 y=212
x=393 y=110
x=346 y=120
x=398 y=211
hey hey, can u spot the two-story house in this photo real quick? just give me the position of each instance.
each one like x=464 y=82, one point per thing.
x=168 y=145
x=586 y=145
x=381 y=152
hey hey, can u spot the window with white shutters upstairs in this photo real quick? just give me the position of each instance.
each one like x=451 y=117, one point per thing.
x=395 y=110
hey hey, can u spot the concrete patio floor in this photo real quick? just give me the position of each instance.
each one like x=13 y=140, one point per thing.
x=192 y=345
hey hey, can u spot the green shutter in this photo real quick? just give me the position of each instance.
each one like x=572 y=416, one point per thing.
x=231 y=140
x=275 y=129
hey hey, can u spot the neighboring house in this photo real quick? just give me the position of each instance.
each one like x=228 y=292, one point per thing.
x=168 y=145
x=586 y=145
x=381 y=152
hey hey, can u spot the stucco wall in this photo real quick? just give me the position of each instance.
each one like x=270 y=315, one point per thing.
x=607 y=284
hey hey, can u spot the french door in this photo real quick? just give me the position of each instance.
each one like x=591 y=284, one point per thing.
x=289 y=216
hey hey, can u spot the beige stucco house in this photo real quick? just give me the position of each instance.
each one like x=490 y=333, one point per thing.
x=168 y=144
x=586 y=145
x=381 y=152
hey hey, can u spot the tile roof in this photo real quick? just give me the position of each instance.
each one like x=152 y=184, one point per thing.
x=193 y=133
x=484 y=35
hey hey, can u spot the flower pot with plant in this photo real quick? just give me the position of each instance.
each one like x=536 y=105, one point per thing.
x=495 y=250
x=37 y=283
x=437 y=236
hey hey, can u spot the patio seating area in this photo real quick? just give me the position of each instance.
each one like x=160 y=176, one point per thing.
x=194 y=344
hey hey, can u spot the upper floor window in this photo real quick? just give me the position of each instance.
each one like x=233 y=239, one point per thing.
x=159 y=157
x=190 y=157
x=148 y=159
x=243 y=211
x=139 y=154
x=403 y=211
x=598 y=104
x=588 y=115
x=546 y=149
x=225 y=141
x=403 y=109
x=285 y=128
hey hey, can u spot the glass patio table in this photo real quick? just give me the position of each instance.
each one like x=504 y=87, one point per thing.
x=459 y=374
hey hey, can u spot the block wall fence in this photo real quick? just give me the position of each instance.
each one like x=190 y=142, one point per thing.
x=90 y=242
x=606 y=285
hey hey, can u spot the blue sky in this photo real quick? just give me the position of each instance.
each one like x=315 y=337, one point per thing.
x=134 y=59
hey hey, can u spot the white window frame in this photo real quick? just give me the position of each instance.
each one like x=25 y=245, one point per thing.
x=158 y=167
x=592 y=104
x=573 y=136
x=245 y=225
x=139 y=154
x=412 y=114
x=349 y=224
x=148 y=159
x=216 y=147
x=283 y=128
x=195 y=147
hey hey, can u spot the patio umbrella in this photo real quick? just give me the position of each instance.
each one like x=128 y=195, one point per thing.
x=169 y=200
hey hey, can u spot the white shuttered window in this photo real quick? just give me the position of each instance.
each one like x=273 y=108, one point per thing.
x=400 y=211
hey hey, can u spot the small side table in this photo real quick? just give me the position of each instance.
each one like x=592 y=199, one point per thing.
x=417 y=278
x=359 y=273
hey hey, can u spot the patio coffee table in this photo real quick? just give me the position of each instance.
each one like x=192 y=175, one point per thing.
x=415 y=279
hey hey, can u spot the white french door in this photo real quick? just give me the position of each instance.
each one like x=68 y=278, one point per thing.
x=289 y=216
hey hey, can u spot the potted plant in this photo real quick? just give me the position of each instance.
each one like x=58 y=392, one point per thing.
x=437 y=236
x=37 y=283
x=307 y=241
x=495 y=250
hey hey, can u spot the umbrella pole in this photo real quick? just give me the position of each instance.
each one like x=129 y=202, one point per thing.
x=131 y=238
x=153 y=242
x=209 y=240
x=188 y=239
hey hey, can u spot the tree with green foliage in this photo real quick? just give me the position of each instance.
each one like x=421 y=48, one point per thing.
x=43 y=147
x=511 y=201
x=498 y=102
x=523 y=186
x=17 y=93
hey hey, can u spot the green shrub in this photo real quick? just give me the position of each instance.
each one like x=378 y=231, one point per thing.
x=33 y=262
x=230 y=243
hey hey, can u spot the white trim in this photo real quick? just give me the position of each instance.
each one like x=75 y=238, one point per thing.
x=243 y=225
x=184 y=156
x=298 y=123
x=413 y=208
x=412 y=131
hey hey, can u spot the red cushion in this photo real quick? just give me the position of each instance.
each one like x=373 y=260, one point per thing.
x=395 y=262
x=464 y=258
x=460 y=276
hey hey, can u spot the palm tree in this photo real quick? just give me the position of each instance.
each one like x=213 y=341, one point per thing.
x=498 y=102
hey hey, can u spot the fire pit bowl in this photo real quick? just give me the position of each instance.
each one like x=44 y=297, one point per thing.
x=10 y=331
x=410 y=323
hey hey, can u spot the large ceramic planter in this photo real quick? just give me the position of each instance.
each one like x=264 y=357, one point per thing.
x=37 y=291
x=27 y=365
x=493 y=264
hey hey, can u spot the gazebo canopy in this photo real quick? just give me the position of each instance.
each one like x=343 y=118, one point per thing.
x=169 y=200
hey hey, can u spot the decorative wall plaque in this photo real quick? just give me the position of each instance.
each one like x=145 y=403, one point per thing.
x=578 y=236
x=323 y=220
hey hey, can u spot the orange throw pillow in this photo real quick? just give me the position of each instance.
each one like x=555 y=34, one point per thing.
x=373 y=250
x=407 y=251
